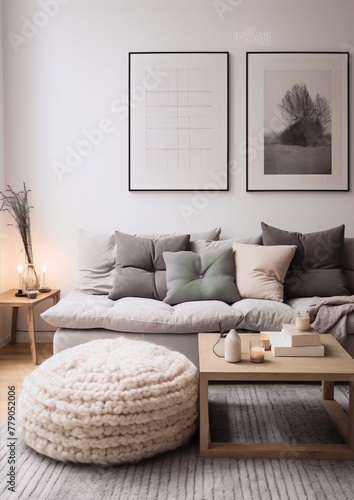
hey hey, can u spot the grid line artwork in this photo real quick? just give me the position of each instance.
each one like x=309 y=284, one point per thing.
x=179 y=120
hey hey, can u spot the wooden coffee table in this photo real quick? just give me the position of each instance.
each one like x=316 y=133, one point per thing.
x=336 y=366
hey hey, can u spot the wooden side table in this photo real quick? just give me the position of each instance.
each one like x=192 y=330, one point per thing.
x=9 y=299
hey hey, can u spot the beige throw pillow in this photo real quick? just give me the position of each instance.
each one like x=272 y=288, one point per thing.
x=260 y=270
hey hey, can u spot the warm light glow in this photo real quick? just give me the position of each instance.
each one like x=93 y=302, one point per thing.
x=19 y=269
x=44 y=269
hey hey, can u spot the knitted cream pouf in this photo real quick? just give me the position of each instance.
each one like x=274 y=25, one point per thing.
x=109 y=402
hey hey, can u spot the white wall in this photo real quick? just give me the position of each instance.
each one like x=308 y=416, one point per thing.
x=63 y=78
x=2 y=170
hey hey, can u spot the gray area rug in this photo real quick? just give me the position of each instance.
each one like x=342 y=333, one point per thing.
x=271 y=412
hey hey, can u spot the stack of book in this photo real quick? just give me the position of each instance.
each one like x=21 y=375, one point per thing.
x=293 y=342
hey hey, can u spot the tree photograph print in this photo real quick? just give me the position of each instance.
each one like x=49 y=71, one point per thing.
x=303 y=146
x=297 y=119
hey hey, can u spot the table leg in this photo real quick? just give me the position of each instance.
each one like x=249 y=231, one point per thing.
x=14 y=325
x=31 y=334
x=56 y=298
x=204 y=415
x=351 y=416
x=327 y=389
x=343 y=422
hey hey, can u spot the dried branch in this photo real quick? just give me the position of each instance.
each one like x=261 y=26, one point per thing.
x=17 y=205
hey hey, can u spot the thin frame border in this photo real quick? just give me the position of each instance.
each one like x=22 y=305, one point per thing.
x=344 y=53
x=130 y=54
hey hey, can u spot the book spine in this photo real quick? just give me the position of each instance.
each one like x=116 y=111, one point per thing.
x=295 y=340
x=317 y=350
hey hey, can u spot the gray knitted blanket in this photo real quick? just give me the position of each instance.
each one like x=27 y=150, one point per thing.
x=329 y=315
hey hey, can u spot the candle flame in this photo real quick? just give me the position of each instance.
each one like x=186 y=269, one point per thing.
x=44 y=268
x=19 y=268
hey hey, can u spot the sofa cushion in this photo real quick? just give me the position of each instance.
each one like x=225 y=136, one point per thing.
x=210 y=234
x=317 y=265
x=204 y=245
x=96 y=261
x=80 y=310
x=265 y=315
x=260 y=270
x=206 y=276
x=97 y=257
x=140 y=266
x=348 y=263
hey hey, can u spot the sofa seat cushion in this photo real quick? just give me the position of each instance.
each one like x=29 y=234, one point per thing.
x=267 y=315
x=141 y=315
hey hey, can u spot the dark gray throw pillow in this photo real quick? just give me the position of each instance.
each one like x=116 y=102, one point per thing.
x=140 y=268
x=317 y=266
x=205 y=276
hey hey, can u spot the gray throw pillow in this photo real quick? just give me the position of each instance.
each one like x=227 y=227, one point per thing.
x=316 y=268
x=205 y=276
x=140 y=267
x=203 y=245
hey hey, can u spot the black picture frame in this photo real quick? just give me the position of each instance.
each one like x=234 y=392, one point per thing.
x=178 y=121
x=297 y=121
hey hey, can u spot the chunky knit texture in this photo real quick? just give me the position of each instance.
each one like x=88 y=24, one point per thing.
x=109 y=402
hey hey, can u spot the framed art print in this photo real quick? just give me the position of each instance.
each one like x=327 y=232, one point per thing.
x=297 y=121
x=178 y=121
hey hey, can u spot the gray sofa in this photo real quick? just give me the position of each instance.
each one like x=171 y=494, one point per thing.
x=114 y=275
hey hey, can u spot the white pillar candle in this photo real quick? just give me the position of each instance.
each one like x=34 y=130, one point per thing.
x=44 y=270
x=19 y=269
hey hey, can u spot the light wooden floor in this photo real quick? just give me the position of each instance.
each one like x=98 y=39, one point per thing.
x=15 y=365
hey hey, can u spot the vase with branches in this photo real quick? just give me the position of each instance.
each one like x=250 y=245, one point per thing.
x=19 y=208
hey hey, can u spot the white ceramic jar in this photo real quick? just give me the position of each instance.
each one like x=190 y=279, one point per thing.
x=233 y=347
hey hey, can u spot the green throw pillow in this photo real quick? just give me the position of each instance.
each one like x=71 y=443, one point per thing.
x=205 y=276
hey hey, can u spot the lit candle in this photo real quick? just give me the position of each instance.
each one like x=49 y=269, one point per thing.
x=256 y=351
x=302 y=321
x=19 y=269
x=44 y=270
x=264 y=337
x=257 y=354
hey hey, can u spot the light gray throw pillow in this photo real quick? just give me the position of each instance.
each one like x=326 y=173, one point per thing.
x=140 y=267
x=97 y=257
x=205 y=276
